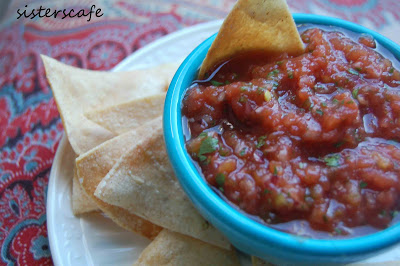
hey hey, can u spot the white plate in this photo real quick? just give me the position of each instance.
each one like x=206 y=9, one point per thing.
x=93 y=239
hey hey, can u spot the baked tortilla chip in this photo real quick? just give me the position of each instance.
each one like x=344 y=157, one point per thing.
x=94 y=165
x=126 y=116
x=81 y=203
x=78 y=91
x=174 y=249
x=254 y=25
x=143 y=183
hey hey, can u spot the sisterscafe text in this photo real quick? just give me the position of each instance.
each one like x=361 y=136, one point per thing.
x=48 y=12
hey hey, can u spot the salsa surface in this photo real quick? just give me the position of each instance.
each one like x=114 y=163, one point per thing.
x=309 y=138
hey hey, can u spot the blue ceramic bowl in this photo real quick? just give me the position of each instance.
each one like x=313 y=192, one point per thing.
x=244 y=233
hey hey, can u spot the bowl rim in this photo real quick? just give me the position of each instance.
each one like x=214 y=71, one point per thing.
x=208 y=201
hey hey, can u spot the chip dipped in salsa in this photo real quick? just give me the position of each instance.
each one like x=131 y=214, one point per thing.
x=309 y=139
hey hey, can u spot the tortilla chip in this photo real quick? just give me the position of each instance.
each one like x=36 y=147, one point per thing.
x=78 y=91
x=126 y=116
x=81 y=203
x=254 y=25
x=95 y=164
x=171 y=248
x=143 y=183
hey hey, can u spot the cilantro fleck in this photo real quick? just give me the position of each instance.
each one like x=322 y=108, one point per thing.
x=357 y=135
x=335 y=101
x=243 y=88
x=308 y=104
x=223 y=151
x=353 y=71
x=324 y=104
x=290 y=74
x=207 y=161
x=266 y=191
x=338 y=231
x=275 y=171
x=349 y=102
x=273 y=73
x=332 y=160
x=279 y=63
x=319 y=111
x=203 y=134
x=355 y=93
x=363 y=184
x=221 y=189
x=394 y=213
x=208 y=145
x=242 y=152
x=227 y=82
x=260 y=90
x=220 y=179
x=261 y=141
x=242 y=99
x=338 y=144
x=391 y=70
x=216 y=83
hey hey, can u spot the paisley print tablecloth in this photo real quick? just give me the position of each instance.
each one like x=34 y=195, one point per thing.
x=30 y=126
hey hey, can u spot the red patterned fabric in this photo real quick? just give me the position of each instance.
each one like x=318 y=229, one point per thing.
x=30 y=126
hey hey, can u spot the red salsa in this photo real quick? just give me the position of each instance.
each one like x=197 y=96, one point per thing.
x=311 y=139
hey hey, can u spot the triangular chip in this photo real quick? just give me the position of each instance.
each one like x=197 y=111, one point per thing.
x=93 y=166
x=143 y=183
x=254 y=25
x=78 y=91
x=118 y=119
x=123 y=117
x=171 y=248
x=81 y=203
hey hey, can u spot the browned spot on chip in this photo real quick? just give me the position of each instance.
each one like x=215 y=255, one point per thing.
x=254 y=25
